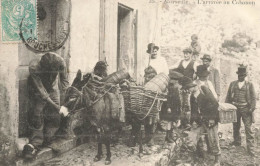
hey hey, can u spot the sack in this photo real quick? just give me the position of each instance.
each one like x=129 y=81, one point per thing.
x=150 y=70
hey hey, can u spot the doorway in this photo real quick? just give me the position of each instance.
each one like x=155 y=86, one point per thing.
x=126 y=39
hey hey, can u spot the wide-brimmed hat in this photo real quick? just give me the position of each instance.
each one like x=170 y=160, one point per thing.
x=242 y=70
x=186 y=82
x=151 y=47
x=206 y=56
x=202 y=71
x=187 y=50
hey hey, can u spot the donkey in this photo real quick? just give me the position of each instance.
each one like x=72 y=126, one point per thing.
x=105 y=110
x=104 y=104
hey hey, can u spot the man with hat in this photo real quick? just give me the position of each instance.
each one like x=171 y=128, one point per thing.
x=99 y=72
x=172 y=112
x=187 y=66
x=202 y=74
x=208 y=106
x=213 y=73
x=44 y=99
x=157 y=62
x=241 y=93
x=159 y=65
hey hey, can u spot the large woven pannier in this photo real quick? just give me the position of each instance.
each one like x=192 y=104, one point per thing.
x=143 y=103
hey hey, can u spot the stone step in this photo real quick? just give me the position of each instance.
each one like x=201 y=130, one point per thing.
x=56 y=148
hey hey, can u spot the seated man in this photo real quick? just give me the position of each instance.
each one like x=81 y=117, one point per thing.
x=187 y=66
x=99 y=72
x=44 y=100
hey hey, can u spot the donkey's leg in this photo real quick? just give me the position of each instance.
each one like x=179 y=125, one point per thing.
x=140 y=142
x=99 y=154
x=108 y=159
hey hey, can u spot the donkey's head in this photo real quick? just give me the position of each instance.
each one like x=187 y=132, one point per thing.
x=73 y=98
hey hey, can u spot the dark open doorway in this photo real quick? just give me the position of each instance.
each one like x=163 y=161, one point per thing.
x=126 y=39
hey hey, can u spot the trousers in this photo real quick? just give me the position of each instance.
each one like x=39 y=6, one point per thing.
x=44 y=120
x=150 y=125
x=209 y=138
x=246 y=116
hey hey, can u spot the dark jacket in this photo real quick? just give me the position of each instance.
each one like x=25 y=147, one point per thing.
x=207 y=104
x=188 y=71
x=45 y=79
x=250 y=94
x=173 y=102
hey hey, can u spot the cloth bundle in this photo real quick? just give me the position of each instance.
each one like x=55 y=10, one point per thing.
x=149 y=73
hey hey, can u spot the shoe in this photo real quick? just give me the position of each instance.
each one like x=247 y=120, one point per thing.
x=150 y=142
x=29 y=151
x=235 y=144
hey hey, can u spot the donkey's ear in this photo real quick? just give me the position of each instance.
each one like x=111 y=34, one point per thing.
x=77 y=79
x=79 y=74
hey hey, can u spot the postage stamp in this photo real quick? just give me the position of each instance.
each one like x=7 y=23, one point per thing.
x=13 y=12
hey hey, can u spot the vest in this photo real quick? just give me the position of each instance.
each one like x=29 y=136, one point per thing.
x=188 y=71
x=240 y=94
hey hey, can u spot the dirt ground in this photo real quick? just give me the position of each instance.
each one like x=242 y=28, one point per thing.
x=123 y=155
x=230 y=155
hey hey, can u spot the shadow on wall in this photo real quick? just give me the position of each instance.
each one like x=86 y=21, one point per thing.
x=5 y=141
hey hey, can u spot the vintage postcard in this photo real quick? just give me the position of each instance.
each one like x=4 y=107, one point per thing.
x=130 y=82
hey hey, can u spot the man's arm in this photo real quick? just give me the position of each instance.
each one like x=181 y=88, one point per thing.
x=252 y=96
x=34 y=72
x=63 y=77
x=212 y=103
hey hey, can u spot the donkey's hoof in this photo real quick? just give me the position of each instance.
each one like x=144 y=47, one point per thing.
x=97 y=158
x=107 y=162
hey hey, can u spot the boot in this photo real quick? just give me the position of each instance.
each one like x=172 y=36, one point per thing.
x=168 y=137
x=150 y=142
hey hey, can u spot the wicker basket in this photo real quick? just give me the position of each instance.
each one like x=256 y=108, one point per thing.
x=143 y=103
x=227 y=113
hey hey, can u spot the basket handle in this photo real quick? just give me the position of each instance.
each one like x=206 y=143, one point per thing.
x=150 y=108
